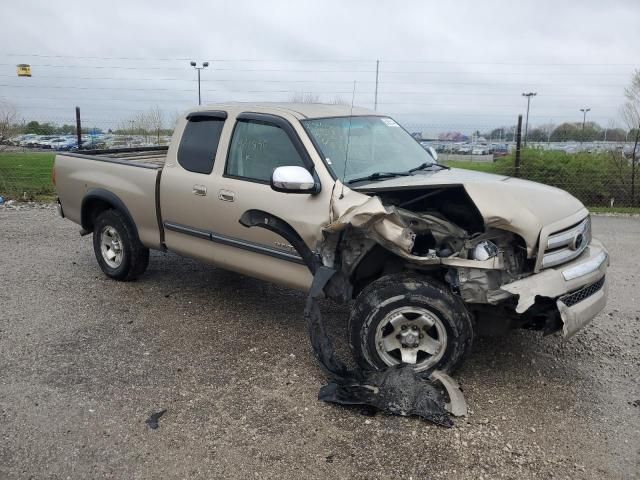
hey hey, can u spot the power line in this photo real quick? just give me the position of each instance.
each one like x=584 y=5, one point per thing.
x=255 y=80
x=542 y=116
x=329 y=60
x=283 y=70
x=144 y=89
x=185 y=100
x=125 y=67
x=385 y=92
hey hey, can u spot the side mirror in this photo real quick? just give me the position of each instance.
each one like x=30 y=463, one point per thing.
x=293 y=180
x=432 y=151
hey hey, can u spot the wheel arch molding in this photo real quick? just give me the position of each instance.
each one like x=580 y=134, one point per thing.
x=98 y=200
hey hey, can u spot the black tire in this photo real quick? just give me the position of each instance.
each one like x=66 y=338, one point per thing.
x=134 y=256
x=384 y=298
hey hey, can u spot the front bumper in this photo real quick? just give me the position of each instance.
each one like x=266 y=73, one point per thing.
x=578 y=287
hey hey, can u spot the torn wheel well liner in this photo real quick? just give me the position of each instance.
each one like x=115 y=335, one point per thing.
x=379 y=262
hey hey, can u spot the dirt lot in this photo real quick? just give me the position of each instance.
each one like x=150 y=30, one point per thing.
x=85 y=360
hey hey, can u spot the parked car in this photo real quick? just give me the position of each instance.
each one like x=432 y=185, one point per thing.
x=480 y=150
x=63 y=143
x=29 y=140
x=429 y=255
x=43 y=141
x=92 y=143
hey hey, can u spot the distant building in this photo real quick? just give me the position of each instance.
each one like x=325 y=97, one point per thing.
x=453 y=137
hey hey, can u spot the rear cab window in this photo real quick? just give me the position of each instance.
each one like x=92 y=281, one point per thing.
x=199 y=142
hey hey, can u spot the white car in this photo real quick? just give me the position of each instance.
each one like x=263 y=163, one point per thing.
x=480 y=150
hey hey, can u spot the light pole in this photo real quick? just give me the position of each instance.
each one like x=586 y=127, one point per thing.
x=526 y=123
x=584 y=119
x=204 y=65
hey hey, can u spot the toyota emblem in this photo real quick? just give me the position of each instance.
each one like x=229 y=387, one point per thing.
x=577 y=241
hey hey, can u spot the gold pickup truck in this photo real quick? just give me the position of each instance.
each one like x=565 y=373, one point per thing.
x=428 y=256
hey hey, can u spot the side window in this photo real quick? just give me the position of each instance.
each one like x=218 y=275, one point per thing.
x=257 y=148
x=199 y=143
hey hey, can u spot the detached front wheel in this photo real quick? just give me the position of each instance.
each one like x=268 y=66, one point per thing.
x=117 y=247
x=410 y=319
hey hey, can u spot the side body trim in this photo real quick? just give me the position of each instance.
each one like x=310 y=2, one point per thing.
x=233 y=242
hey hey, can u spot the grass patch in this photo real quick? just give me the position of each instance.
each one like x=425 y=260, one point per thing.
x=596 y=179
x=28 y=172
x=629 y=210
x=487 y=167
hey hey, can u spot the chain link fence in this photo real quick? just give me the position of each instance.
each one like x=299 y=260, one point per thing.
x=599 y=172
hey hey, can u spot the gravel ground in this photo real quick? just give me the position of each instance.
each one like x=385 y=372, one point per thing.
x=85 y=360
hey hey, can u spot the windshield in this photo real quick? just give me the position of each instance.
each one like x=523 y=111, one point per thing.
x=375 y=144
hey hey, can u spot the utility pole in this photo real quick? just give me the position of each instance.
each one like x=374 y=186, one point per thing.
x=375 y=101
x=78 y=128
x=516 y=173
x=584 y=119
x=204 y=65
x=526 y=124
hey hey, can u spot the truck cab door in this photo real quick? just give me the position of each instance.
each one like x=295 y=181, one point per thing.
x=258 y=144
x=188 y=189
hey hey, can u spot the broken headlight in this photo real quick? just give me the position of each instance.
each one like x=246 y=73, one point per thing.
x=484 y=250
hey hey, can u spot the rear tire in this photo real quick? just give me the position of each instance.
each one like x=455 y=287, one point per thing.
x=405 y=318
x=117 y=247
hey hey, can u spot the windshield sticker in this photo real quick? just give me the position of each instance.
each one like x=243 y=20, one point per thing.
x=389 y=122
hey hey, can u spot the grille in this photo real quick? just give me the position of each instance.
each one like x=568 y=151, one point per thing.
x=585 y=292
x=566 y=245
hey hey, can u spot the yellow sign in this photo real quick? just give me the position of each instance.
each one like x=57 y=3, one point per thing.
x=24 y=70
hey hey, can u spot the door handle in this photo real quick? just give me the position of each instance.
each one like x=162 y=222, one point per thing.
x=226 y=195
x=199 y=190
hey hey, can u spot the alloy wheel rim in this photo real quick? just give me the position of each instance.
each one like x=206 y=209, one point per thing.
x=111 y=246
x=411 y=335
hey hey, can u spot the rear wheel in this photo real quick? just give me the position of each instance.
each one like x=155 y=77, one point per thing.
x=118 y=250
x=410 y=319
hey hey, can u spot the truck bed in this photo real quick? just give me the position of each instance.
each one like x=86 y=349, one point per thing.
x=130 y=176
x=146 y=157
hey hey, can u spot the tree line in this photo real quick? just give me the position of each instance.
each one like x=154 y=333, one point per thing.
x=565 y=132
x=150 y=123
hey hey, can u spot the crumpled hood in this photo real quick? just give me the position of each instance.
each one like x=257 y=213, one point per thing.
x=520 y=206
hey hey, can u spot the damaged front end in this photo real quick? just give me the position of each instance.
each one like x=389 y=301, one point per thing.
x=438 y=233
x=501 y=277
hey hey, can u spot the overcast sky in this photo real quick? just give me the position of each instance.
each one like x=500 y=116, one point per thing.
x=443 y=65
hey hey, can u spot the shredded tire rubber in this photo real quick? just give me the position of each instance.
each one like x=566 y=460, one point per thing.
x=397 y=390
x=153 y=419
